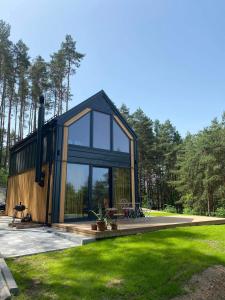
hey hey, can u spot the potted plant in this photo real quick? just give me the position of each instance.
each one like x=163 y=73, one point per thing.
x=101 y=220
x=93 y=226
x=113 y=225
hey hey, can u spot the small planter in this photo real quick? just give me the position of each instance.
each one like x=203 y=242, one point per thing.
x=101 y=225
x=93 y=226
x=114 y=226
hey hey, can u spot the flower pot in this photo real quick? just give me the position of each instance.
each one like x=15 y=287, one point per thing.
x=114 y=226
x=93 y=226
x=101 y=225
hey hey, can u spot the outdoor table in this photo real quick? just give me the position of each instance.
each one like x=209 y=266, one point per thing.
x=111 y=211
x=127 y=211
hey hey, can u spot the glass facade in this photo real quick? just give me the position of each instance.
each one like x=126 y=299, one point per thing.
x=120 y=140
x=100 y=188
x=98 y=185
x=76 y=202
x=83 y=195
x=101 y=130
x=121 y=187
x=79 y=132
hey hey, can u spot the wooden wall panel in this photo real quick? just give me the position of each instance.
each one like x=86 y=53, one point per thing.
x=23 y=188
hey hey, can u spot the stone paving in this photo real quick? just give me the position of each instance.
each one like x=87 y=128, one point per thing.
x=19 y=242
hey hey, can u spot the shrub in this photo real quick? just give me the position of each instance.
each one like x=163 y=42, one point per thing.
x=220 y=212
x=188 y=211
x=191 y=211
x=3 y=177
x=170 y=208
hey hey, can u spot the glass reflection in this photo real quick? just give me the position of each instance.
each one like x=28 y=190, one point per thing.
x=100 y=188
x=121 y=187
x=101 y=130
x=79 y=132
x=76 y=202
x=120 y=140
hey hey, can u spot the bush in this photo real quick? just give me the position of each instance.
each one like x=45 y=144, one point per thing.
x=170 y=208
x=220 y=212
x=3 y=177
x=188 y=211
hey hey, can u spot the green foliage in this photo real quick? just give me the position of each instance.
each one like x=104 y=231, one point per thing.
x=220 y=212
x=158 y=147
x=3 y=177
x=200 y=169
x=23 y=80
x=170 y=208
x=190 y=211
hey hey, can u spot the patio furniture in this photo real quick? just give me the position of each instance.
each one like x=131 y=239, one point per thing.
x=128 y=212
x=111 y=211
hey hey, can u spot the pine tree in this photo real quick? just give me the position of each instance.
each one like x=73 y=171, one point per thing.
x=72 y=61
x=39 y=80
x=22 y=67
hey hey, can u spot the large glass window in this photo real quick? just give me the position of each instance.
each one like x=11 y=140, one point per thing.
x=101 y=131
x=120 y=140
x=76 y=202
x=79 y=132
x=100 y=188
x=121 y=187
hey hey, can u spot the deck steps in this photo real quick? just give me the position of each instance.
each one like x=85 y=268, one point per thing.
x=74 y=237
x=8 y=285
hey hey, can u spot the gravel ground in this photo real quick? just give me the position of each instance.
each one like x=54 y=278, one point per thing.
x=208 y=285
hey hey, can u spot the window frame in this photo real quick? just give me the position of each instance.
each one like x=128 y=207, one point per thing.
x=111 y=120
x=114 y=120
x=90 y=129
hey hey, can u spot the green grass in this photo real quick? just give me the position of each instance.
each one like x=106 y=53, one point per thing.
x=150 y=266
x=161 y=213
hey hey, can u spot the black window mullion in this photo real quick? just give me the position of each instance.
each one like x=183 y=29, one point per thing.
x=111 y=133
x=90 y=188
x=91 y=129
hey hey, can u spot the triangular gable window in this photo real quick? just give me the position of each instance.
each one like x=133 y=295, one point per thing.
x=79 y=132
x=121 y=141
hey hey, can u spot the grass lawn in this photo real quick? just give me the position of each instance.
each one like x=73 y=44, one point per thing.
x=161 y=213
x=146 y=266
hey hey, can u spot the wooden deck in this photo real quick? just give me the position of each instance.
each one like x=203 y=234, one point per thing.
x=141 y=225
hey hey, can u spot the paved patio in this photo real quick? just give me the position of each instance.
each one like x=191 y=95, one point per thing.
x=14 y=242
x=140 y=225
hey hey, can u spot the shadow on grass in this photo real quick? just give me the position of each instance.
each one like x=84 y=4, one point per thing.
x=146 y=266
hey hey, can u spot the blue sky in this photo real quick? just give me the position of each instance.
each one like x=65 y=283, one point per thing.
x=165 y=56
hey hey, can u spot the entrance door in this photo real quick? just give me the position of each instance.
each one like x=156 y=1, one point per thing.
x=100 y=188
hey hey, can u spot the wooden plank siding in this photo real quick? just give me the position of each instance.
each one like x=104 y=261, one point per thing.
x=23 y=188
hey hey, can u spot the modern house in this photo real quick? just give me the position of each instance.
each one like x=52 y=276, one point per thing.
x=75 y=162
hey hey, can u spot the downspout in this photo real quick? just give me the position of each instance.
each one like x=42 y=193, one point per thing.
x=49 y=181
x=39 y=175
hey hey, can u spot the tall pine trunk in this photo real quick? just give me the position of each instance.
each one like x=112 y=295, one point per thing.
x=8 y=144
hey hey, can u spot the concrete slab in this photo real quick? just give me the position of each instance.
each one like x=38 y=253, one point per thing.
x=9 y=280
x=4 y=291
x=20 y=242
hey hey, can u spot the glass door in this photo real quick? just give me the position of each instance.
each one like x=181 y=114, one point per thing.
x=76 y=200
x=100 y=188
